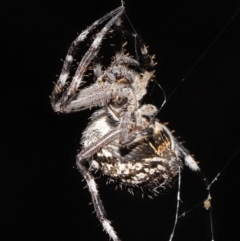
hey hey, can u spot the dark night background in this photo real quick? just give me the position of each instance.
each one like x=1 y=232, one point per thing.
x=42 y=195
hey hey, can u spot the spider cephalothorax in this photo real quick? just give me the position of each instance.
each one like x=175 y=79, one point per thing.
x=123 y=139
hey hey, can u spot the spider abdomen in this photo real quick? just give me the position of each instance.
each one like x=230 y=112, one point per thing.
x=149 y=164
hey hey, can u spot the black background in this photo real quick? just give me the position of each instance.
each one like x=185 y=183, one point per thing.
x=42 y=197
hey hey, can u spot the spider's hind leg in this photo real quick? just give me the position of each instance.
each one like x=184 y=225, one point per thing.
x=146 y=60
x=182 y=151
x=98 y=206
x=92 y=186
x=188 y=159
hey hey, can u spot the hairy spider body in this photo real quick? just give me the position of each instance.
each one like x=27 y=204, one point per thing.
x=123 y=139
x=151 y=163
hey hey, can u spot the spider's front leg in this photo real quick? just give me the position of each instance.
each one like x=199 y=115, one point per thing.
x=60 y=98
x=138 y=132
x=131 y=130
x=95 y=95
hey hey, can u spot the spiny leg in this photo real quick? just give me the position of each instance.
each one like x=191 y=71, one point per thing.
x=58 y=89
x=72 y=50
x=121 y=58
x=134 y=114
x=189 y=161
x=128 y=137
x=97 y=69
x=99 y=94
x=93 y=96
x=85 y=61
x=144 y=59
x=97 y=146
x=137 y=136
x=118 y=36
x=98 y=206
x=125 y=123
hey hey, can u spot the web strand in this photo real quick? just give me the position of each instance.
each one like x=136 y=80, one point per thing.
x=178 y=204
x=204 y=53
x=207 y=201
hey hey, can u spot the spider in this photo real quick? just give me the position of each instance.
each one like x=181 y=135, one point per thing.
x=123 y=139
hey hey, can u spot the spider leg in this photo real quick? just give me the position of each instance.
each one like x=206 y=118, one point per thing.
x=137 y=136
x=138 y=90
x=118 y=36
x=90 y=54
x=97 y=146
x=58 y=89
x=98 y=206
x=95 y=95
x=128 y=137
x=119 y=66
x=145 y=127
x=125 y=122
x=189 y=161
x=99 y=94
x=121 y=58
x=145 y=59
x=72 y=50
x=92 y=186
x=97 y=70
